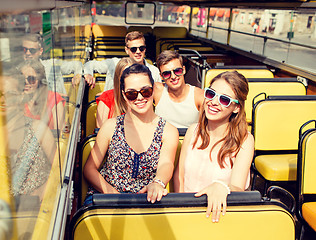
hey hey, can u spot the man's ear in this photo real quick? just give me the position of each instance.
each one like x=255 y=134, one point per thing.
x=126 y=50
x=184 y=71
x=41 y=51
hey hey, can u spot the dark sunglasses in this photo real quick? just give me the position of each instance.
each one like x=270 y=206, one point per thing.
x=133 y=94
x=134 y=49
x=222 y=99
x=32 y=50
x=31 y=79
x=167 y=74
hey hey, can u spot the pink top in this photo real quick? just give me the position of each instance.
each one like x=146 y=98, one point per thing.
x=200 y=171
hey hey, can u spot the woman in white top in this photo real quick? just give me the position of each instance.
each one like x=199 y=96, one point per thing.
x=217 y=151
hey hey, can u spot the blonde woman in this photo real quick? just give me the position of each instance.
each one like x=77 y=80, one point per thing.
x=110 y=103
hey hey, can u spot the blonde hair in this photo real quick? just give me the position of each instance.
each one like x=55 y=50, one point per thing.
x=120 y=104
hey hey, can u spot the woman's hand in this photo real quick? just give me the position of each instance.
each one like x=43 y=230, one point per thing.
x=154 y=192
x=216 y=198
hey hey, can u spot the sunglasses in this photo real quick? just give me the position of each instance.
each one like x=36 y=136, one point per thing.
x=133 y=94
x=32 y=50
x=167 y=74
x=31 y=79
x=134 y=49
x=223 y=99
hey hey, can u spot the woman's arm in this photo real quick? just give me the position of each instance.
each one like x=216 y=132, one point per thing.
x=96 y=157
x=242 y=165
x=102 y=114
x=217 y=192
x=165 y=167
x=179 y=173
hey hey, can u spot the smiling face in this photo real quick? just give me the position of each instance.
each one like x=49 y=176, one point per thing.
x=214 y=111
x=138 y=82
x=32 y=50
x=139 y=55
x=176 y=80
x=31 y=81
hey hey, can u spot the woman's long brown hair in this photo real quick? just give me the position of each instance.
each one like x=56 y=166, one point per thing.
x=120 y=104
x=237 y=130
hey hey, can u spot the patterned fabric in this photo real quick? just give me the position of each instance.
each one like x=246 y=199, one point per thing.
x=30 y=164
x=126 y=170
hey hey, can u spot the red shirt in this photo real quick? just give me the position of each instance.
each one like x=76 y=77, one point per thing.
x=107 y=98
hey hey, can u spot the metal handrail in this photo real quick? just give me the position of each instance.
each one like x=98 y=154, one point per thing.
x=260 y=36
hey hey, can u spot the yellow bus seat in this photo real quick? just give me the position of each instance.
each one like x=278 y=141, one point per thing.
x=85 y=149
x=271 y=86
x=108 y=31
x=306 y=203
x=180 y=216
x=109 y=53
x=163 y=33
x=309 y=214
x=170 y=32
x=247 y=71
x=275 y=127
x=99 y=86
x=90 y=118
x=182 y=131
x=69 y=112
x=142 y=29
x=70 y=90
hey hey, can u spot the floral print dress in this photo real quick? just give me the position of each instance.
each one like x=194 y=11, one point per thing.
x=126 y=170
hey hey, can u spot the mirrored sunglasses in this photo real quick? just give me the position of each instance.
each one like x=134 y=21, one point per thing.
x=32 y=50
x=133 y=94
x=134 y=49
x=167 y=74
x=222 y=99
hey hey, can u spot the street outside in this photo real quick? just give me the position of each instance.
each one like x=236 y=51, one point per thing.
x=297 y=56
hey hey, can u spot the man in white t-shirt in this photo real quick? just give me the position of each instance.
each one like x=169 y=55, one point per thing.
x=177 y=102
x=135 y=47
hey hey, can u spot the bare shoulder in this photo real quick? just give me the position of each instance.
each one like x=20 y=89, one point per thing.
x=107 y=129
x=249 y=141
x=190 y=131
x=198 y=91
x=170 y=132
x=158 y=86
x=198 y=96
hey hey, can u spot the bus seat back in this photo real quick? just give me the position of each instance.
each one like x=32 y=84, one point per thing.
x=276 y=123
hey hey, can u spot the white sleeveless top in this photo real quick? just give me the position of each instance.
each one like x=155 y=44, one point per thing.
x=180 y=115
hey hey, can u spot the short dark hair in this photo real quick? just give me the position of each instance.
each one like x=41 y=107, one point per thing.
x=166 y=56
x=133 y=36
x=136 y=68
x=34 y=37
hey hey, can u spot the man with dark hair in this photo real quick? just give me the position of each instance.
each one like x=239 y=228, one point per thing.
x=54 y=68
x=177 y=102
x=135 y=47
